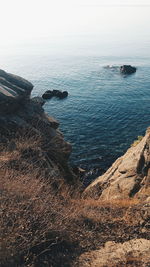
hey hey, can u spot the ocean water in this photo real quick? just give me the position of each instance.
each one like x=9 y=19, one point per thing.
x=104 y=112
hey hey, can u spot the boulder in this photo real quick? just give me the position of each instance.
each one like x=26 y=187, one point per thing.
x=47 y=95
x=127 y=69
x=14 y=90
x=129 y=176
x=64 y=94
x=18 y=81
x=57 y=93
x=135 y=252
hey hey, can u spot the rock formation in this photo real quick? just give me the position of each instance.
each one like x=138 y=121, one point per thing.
x=14 y=90
x=117 y=254
x=24 y=115
x=57 y=93
x=43 y=153
x=127 y=69
x=128 y=177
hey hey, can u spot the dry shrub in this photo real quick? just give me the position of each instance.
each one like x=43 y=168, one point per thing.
x=46 y=227
x=33 y=216
x=34 y=204
x=45 y=223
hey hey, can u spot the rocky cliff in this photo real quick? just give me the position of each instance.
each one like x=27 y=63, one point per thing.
x=128 y=177
x=43 y=226
x=23 y=116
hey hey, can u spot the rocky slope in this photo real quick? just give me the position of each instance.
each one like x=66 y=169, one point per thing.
x=24 y=116
x=135 y=252
x=129 y=176
x=42 y=228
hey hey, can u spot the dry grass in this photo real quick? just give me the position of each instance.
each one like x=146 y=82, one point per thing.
x=120 y=203
x=47 y=225
x=32 y=216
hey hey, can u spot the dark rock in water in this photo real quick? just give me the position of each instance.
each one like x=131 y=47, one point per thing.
x=14 y=91
x=64 y=94
x=57 y=93
x=49 y=92
x=47 y=95
x=127 y=69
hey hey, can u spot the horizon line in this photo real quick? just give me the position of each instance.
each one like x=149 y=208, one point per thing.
x=115 y=5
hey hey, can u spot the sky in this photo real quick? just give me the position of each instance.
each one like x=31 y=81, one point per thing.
x=70 y=22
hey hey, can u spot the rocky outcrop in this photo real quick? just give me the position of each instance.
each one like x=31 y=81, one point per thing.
x=14 y=90
x=23 y=116
x=129 y=176
x=127 y=69
x=135 y=252
x=56 y=93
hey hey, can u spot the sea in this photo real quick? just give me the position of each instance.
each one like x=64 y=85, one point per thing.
x=104 y=112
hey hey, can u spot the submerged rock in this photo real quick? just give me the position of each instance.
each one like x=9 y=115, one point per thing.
x=127 y=69
x=129 y=176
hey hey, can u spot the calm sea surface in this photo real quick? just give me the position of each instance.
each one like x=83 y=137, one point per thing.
x=104 y=112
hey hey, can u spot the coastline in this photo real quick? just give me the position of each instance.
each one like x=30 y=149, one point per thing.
x=47 y=218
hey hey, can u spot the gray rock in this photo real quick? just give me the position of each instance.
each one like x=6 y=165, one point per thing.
x=30 y=120
x=17 y=80
x=129 y=176
x=14 y=90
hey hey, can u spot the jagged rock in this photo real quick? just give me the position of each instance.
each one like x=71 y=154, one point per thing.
x=135 y=252
x=127 y=69
x=14 y=90
x=129 y=176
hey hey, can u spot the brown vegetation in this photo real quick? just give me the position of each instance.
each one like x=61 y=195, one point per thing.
x=45 y=223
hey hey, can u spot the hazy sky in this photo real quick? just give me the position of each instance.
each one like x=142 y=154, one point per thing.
x=36 y=21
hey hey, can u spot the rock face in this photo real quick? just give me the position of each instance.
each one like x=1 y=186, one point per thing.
x=135 y=252
x=19 y=114
x=127 y=69
x=128 y=177
x=13 y=91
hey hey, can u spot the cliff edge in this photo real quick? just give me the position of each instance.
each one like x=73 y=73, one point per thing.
x=23 y=117
x=128 y=177
x=44 y=220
